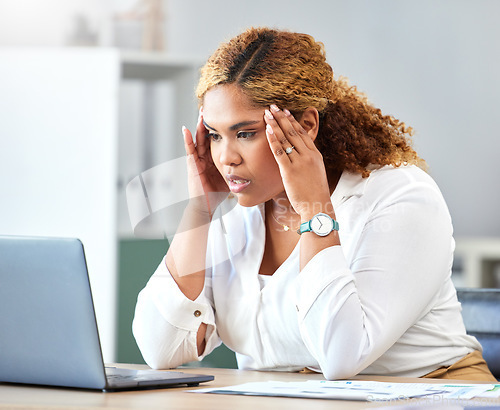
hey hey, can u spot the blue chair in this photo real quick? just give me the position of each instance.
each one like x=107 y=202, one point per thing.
x=481 y=313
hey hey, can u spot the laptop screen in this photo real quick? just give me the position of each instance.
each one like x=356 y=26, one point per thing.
x=48 y=328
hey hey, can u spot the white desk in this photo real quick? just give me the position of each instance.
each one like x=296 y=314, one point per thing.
x=34 y=397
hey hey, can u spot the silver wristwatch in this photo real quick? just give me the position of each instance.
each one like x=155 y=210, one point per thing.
x=321 y=224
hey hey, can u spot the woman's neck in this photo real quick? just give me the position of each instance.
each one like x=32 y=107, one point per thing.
x=282 y=213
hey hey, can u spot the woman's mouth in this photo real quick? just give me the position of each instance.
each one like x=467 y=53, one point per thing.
x=236 y=184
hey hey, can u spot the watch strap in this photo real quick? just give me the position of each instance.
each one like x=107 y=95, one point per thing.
x=304 y=227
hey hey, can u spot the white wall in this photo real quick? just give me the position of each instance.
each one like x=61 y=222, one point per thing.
x=58 y=149
x=50 y=22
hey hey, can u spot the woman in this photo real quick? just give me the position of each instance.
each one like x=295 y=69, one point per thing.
x=313 y=240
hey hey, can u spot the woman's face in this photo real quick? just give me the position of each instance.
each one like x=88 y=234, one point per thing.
x=239 y=146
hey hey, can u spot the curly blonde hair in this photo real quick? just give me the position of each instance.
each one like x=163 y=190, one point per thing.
x=290 y=70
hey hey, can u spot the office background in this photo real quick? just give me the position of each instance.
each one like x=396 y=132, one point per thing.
x=84 y=111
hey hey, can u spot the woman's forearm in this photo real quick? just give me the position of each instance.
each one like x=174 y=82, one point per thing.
x=186 y=256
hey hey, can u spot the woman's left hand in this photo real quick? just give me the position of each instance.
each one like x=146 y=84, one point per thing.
x=300 y=163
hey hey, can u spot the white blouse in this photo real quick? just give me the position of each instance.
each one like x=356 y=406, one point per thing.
x=381 y=303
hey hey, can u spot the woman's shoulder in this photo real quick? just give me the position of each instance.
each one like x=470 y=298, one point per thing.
x=389 y=183
x=404 y=176
x=383 y=180
x=403 y=172
x=404 y=184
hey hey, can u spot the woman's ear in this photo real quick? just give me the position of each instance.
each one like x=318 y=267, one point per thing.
x=310 y=122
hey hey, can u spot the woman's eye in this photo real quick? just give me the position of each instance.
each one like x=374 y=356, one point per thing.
x=246 y=134
x=213 y=136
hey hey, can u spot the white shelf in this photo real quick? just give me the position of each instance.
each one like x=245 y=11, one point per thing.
x=156 y=100
x=479 y=259
x=156 y=67
x=161 y=59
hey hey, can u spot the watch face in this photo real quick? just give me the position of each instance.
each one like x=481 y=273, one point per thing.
x=321 y=224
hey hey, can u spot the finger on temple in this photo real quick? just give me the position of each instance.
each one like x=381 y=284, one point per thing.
x=290 y=129
x=188 y=141
x=277 y=128
x=201 y=134
x=276 y=148
x=302 y=135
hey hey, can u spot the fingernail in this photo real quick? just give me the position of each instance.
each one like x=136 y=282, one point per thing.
x=269 y=129
x=274 y=108
x=184 y=129
x=287 y=113
x=268 y=114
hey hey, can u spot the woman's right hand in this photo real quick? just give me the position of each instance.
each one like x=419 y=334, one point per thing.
x=207 y=188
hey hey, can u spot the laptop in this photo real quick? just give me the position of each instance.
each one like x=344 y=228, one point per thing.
x=48 y=329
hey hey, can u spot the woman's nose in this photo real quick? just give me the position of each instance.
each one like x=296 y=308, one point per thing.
x=229 y=154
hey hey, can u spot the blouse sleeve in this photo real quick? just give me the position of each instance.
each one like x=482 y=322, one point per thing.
x=166 y=323
x=350 y=313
